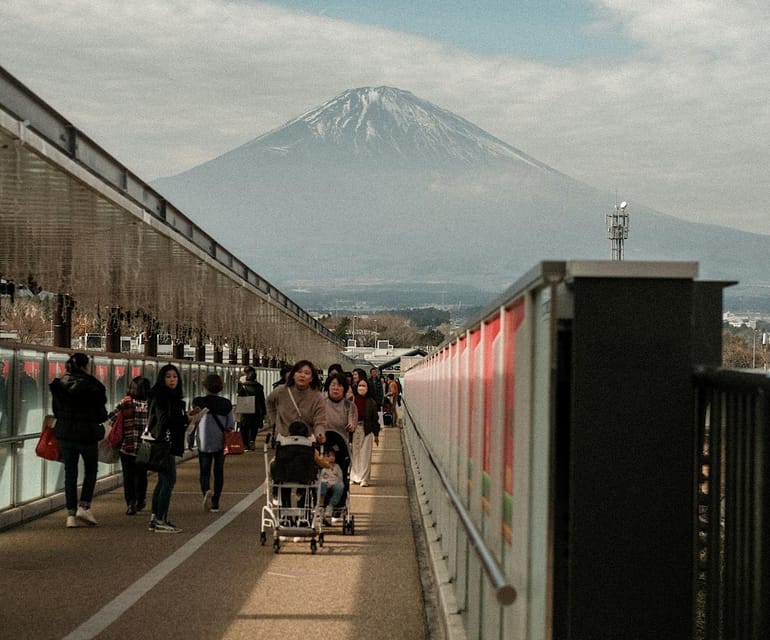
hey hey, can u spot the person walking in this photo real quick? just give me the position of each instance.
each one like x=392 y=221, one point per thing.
x=299 y=399
x=375 y=382
x=367 y=433
x=249 y=424
x=133 y=411
x=79 y=405
x=341 y=413
x=167 y=420
x=215 y=420
x=394 y=395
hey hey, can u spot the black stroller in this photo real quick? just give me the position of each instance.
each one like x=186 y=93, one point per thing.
x=291 y=510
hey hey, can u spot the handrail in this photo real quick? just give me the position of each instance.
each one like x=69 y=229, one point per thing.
x=504 y=591
x=23 y=104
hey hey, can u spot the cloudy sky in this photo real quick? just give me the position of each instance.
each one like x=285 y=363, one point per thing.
x=665 y=103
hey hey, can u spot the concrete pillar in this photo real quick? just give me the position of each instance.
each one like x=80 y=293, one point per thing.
x=62 y=321
x=112 y=332
x=200 y=349
x=150 y=339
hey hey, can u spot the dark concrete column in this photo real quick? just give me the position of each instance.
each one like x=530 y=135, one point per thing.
x=150 y=339
x=218 y=353
x=112 y=332
x=245 y=352
x=62 y=321
x=177 y=350
x=200 y=349
x=232 y=355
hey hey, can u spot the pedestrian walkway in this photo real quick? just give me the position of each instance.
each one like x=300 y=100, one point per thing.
x=215 y=580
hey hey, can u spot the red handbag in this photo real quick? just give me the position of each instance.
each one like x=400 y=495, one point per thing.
x=233 y=443
x=115 y=438
x=48 y=445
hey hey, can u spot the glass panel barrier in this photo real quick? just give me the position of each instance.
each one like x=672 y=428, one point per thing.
x=6 y=388
x=29 y=471
x=121 y=376
x=55 y=369
x=6 y=474
x=31 y=384
x=54 y=476
x=150 y=370
x=25 y=399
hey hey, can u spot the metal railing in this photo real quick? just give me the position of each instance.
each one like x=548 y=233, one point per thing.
x=504 y=591
x=732 y=492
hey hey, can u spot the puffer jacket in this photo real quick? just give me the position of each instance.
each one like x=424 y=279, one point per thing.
x=167 y=419
x=79 y=405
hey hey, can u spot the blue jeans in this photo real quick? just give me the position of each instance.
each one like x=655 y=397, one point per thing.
x=204 y=460
x=71 y=453
x=161 y=497
x=335 y=490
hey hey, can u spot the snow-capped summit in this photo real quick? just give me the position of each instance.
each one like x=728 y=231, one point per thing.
x=379 y=177
x=380 y=122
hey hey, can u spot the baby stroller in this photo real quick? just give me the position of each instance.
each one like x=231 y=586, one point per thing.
x=338 y=444
x=292 y=498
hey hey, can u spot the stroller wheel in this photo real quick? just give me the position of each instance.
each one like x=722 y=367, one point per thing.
x=313 y=546
x=352 y=526
x=276 y=545
x=262 y=538
x=321 y=539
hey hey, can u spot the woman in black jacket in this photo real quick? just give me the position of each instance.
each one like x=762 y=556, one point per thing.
x=249 y=424
x=168 y=421
x=79 y=402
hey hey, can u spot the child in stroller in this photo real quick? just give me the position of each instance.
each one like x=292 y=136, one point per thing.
x=340 y=508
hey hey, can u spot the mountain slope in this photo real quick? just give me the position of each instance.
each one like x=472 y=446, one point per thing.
x=379 y=185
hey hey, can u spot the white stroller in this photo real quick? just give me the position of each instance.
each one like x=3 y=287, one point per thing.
x=292 y=508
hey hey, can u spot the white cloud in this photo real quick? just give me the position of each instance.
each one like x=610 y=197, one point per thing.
x=680 y=125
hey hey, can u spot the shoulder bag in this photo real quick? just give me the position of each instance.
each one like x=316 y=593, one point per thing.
x=48 y=445
x=152 y=454
x=115 y=437
x=233 y=439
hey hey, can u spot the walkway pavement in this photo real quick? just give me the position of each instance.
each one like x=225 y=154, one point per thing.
x=215 y=580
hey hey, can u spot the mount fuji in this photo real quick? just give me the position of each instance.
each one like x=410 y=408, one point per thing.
x=378 y=187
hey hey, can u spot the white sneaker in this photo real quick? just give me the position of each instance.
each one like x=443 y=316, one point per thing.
x=86 y=516
x=364 y=483
x=72 y=522
x=207 y=500
x=166 y=527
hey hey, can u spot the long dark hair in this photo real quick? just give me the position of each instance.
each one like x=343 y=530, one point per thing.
x=315 y=381
x=139 y=388
x=368 y=388
x=160 y=382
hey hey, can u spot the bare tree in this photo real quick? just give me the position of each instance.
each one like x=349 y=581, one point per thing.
x=29 y=318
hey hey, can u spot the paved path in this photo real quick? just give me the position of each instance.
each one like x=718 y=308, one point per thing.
x=214 y=580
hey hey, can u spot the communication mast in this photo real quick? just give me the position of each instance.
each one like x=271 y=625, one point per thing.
x=617 y=229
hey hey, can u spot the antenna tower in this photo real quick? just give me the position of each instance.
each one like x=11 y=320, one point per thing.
x=617 y=229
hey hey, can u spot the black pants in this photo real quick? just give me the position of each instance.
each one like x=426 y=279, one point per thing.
x=134 y=480
x=249 y=428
